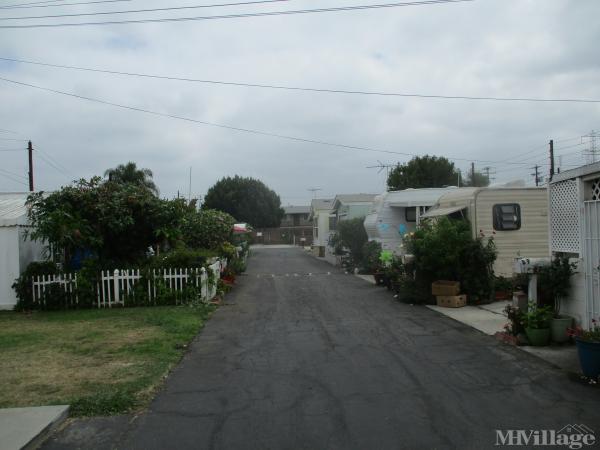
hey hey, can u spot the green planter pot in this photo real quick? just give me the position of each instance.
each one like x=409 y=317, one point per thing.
x=559 y=327
x=538 y=337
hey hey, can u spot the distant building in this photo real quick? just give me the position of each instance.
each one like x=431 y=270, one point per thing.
x=329 y=213
x=350 y=206
x=296 y=228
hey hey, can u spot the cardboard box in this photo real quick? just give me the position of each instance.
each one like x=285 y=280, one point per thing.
x=445 y=287
x=451 y=301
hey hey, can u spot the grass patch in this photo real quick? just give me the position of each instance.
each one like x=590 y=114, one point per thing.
x=101 y=362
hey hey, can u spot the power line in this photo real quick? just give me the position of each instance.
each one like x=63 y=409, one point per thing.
x=228 y=127
x=51 y=163
x=11 y=177
x=31 y=3
x=12 y=149
x=13 y=174
x=54 y=160
x=12 y=139
x=238 y=16
x=36 y=5
x=134 y=11
x=296 y=88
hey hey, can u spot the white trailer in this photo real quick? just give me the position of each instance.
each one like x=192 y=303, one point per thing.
x=396 y=213
x=517 y=219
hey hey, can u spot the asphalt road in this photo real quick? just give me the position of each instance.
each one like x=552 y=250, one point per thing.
x=303 y=356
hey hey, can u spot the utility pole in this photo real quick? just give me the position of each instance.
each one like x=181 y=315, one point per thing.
x=537 y=175
x=190 y=187
x=30 y=151
x=551 y=159
x=593 y=150
x=472 y=173
x=488 y=173
x=458 y=178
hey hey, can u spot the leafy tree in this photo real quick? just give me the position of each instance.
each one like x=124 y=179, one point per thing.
x=246 y=199
x=113 y=221
x=476 y=179
x=423 y=172
x=208 y=228
x=351 y=235
x=130 y=174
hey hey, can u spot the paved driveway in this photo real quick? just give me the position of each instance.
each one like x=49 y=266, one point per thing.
x=302 y=356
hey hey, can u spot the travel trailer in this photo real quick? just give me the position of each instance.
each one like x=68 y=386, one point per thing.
x=516 y=217
x=396 y=213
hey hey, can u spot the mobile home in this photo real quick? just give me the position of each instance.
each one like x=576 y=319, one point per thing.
x=516 y=218
x=16 y=252
x=574 y=197
x=396 y=213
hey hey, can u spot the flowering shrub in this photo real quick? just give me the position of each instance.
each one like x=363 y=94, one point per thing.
x=514 y=326
x=590 y=335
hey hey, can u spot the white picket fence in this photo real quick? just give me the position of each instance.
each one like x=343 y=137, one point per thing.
x=115 y=287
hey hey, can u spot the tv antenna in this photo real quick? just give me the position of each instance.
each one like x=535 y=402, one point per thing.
x=314 y=191
x=382 y=166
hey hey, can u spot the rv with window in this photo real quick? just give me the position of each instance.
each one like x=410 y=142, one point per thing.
x=516 y=217
x=396 y=213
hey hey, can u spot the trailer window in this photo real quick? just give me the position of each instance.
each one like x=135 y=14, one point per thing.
x=507 y=217
x=410 y=214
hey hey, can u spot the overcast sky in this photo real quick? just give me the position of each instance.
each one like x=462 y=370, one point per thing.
x=500 y=48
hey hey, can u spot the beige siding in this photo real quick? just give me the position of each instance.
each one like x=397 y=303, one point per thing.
x=531 y=240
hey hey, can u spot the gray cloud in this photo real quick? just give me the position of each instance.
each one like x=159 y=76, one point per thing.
x=509 y=48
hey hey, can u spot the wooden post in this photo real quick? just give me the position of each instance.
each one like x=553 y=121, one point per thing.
x=30 y=151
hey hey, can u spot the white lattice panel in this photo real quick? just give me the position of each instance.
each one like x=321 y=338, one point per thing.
x=595 y=186
x=565 y=217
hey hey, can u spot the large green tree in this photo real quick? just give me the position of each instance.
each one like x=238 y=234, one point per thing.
x=247 y=199
x=423 y=172
x=130 y=174
x=114 y=221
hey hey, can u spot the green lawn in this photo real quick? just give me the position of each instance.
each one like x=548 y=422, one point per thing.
x=100 y=362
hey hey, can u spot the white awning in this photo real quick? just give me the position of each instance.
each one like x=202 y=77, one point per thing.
x=437 y=212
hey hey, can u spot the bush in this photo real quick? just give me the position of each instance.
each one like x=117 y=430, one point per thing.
x=207 y=229
x=182 y=258
x=22 y=285
x=445 y=250
x=351 y=236
x=555 y=281
x=371 y=256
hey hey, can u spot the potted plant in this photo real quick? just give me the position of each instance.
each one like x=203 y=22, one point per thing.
x=537 y=324
x=588 y=349
x=555 y=281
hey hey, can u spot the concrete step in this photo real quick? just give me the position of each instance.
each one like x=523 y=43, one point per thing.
x=27 y=428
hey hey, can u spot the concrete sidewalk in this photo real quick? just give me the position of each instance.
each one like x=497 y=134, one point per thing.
x=490 y=319
x=28 y=427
